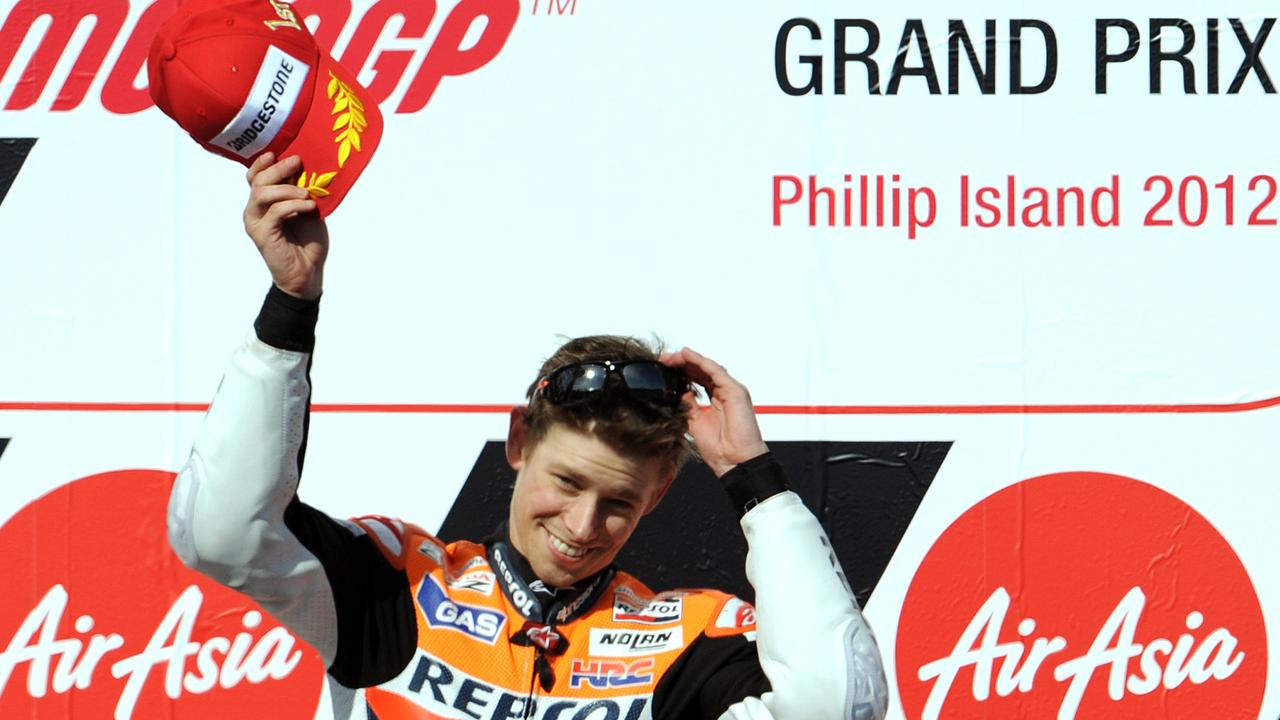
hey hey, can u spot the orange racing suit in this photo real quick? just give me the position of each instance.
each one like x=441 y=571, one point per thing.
x=489 y=645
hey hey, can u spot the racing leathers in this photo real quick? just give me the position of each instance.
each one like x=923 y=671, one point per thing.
x=412 y=628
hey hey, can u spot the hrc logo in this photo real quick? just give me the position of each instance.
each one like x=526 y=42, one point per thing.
x=602 y=674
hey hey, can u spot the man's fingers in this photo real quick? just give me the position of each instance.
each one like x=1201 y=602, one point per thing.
x=710 y=366
x=690 y=401
x=689 y=362
x=701 y=369
x=260 y=163
x=262 y=198
x=285 y=209
x=275 y=173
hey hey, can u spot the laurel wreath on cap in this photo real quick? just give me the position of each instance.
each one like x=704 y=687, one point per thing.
x=349 y=124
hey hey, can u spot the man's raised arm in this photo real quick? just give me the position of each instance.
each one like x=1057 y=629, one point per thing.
x=226 y=513
x=234 y=514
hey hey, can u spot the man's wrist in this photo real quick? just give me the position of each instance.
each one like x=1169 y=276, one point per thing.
x=752 y=482
x=287 y=322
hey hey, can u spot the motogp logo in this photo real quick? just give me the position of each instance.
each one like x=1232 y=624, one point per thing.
x=1081 y=595
x=388 y=36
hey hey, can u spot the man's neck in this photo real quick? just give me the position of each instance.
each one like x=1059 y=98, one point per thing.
x=529 y=594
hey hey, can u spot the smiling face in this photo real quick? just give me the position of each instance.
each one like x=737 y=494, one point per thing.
x=576 y=500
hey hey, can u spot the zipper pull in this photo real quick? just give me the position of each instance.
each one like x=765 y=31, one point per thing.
x=546 y=676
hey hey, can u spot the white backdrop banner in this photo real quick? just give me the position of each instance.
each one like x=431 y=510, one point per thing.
x=1045 y=235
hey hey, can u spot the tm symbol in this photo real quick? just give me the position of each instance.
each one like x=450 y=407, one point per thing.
x=555 y=7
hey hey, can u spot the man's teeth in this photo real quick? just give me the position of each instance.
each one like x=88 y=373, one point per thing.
x=566 y=548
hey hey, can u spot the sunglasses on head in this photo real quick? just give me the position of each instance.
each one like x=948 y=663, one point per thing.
x=646 y=380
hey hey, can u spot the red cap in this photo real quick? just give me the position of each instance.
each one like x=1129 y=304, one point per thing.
x=244 y=77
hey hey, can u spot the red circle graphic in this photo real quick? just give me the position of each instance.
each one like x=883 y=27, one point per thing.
x=1081 y=595
x=100 y=619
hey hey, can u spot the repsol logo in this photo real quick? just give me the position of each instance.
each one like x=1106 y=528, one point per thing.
x=515 y=589
x=438 y=687
x=655 y=612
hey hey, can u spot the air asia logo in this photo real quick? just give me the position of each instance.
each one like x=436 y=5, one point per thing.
x=454 y=49
x=100 y=616
x=1081 y=595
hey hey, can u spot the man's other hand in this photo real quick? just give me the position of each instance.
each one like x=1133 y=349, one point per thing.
x=282 y=220
x=725 y=432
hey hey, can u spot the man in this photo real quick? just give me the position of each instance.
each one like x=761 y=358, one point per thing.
x=535 y=622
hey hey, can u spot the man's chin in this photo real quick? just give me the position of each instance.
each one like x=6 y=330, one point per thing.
x=555 y=575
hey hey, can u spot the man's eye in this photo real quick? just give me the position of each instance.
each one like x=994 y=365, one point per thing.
x=567 y=482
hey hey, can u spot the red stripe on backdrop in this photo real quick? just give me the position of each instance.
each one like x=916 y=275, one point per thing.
x=463 y=408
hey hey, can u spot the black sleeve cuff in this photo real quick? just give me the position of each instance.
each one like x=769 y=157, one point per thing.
x=750 y=483
x=286 y=322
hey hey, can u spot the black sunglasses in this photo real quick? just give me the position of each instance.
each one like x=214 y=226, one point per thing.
x=646 y=380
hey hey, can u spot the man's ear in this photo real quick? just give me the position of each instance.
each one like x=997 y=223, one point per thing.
x=666 y=485
x=516 y=435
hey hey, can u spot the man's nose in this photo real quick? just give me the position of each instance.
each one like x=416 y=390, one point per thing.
x=581 y=517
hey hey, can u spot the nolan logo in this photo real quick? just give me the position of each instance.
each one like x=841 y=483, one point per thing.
x=622 y=643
